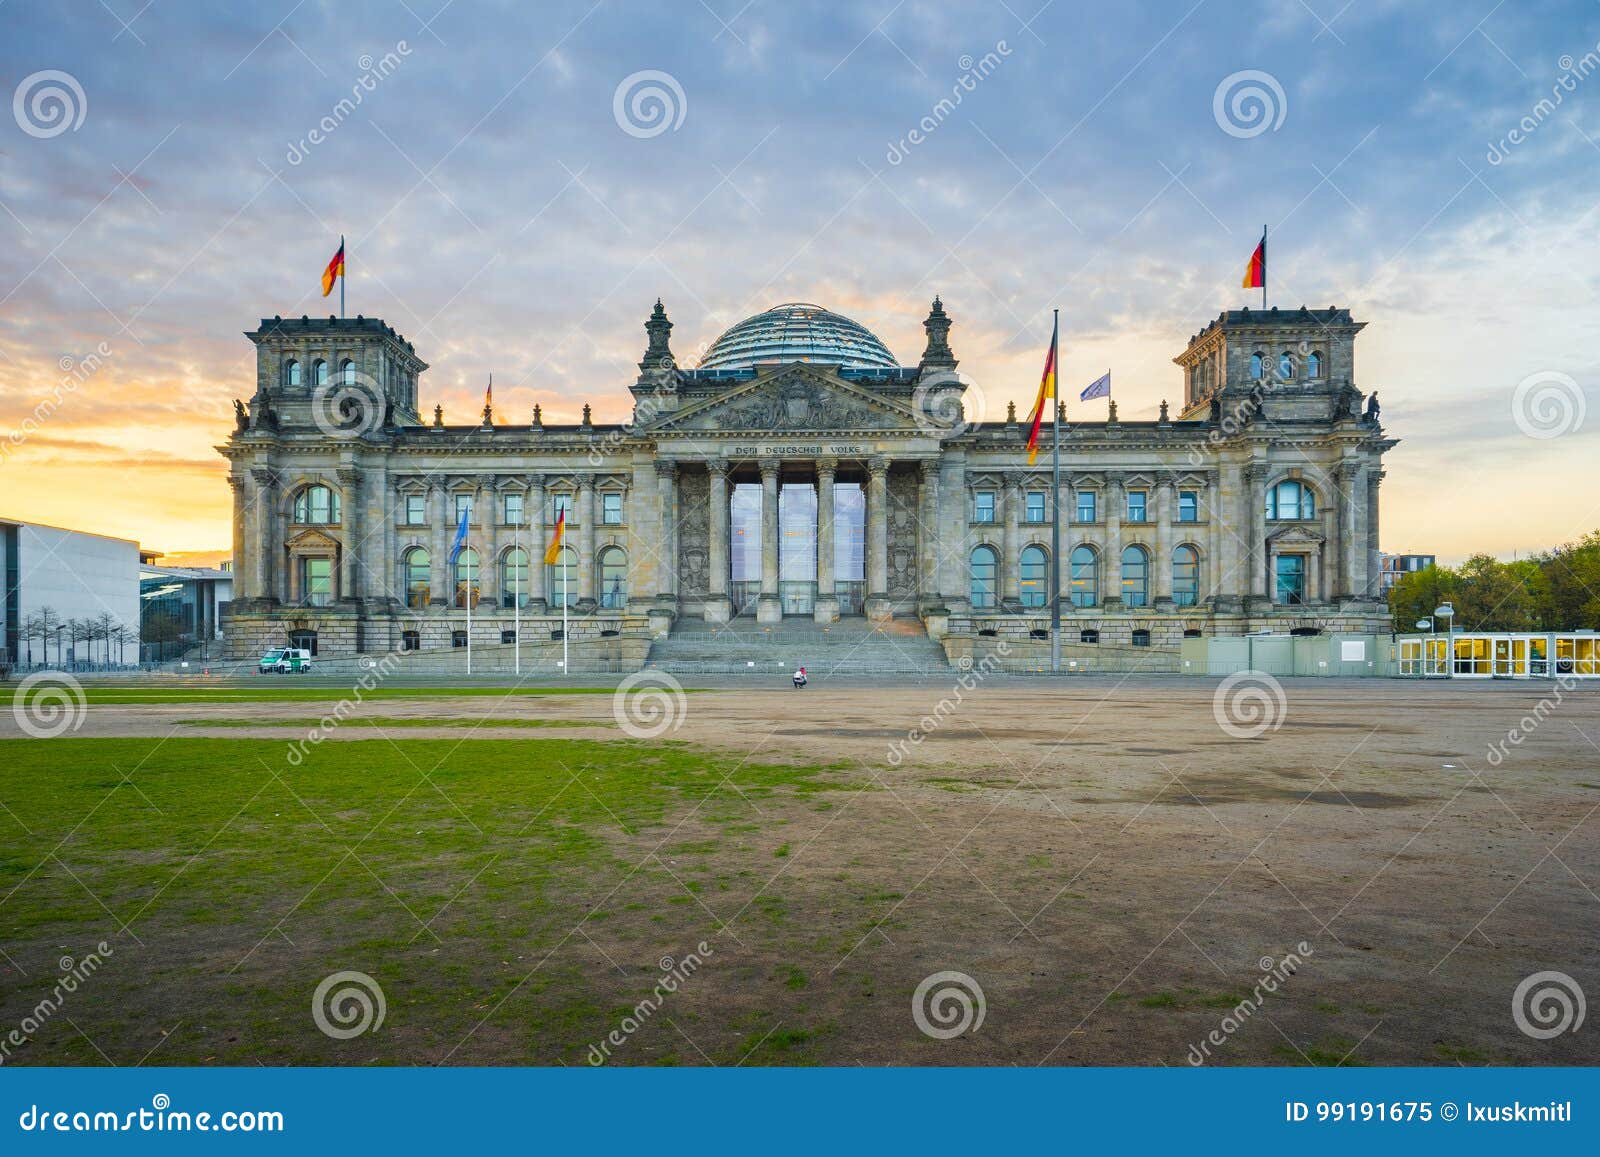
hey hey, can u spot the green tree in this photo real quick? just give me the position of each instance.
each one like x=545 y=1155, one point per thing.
x=1490 y=596
x=1416 y=593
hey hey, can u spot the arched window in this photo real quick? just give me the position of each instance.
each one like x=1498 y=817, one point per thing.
x=1291 y=499
x=514 y=578
x=319 y=373
x=1286 y=365
x=1135 y=577
x=1313 y=364
x=291 y=373
x=347 y=372
x=562 y=582
x=1185 y=576
x=467 y=578
x=984 y=562
x=316 y=506
x=613 y=578
x=1085 y=577
x=1257 y=364
x=417 y=574
x=1035 y=583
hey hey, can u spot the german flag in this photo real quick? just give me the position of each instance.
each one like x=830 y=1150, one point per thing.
x=1255 y=274
x=1047 y=391
x=554 y=552
x=334 y=271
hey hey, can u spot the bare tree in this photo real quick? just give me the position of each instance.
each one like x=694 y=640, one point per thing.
x=105 y=625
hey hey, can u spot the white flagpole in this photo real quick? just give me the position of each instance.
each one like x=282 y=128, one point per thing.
x=565 y=668
x=468 y=596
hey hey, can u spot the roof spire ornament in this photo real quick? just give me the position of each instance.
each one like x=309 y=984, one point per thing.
x=538 y=418
x=658 y=365
x=937 y=355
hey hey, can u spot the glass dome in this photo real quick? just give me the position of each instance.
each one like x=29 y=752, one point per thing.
x=798 y=332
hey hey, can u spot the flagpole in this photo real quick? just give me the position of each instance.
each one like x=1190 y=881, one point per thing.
x=343 y=265
x=468 y=597
x=565 y=669
x=516 y=600
x=1263 y=267
x=1055 y=500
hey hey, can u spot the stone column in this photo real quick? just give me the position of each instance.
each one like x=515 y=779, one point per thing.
x=928 y=536
x=486 y=513
x=266 y=533
x=826 y=608
x=1368 y=582
x=769 y=609
x=440 y=590
x=955 y=505
x=1161 y=562
x=350 y=533
x=586 y=599
x=538 y=539
x=1352 y=500
x=666 y=541
x=1111 y=550
x=878 y=605
x=1255 y=551
x=1314 y=576
x=719 y=608
x=244 y=574
x=1011 y=541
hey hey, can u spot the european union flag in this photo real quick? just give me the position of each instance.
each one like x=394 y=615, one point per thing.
x=461 y=534
x=1099 y=388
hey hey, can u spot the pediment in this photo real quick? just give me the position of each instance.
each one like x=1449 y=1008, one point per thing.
x=797 y=397
x=1296 y=535
x=311 y=539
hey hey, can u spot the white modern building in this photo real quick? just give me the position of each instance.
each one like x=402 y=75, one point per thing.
x=70 y=597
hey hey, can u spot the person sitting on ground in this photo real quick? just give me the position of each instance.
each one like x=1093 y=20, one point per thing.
x=800 y=677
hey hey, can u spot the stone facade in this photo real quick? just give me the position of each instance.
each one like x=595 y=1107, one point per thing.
x=1255 y=508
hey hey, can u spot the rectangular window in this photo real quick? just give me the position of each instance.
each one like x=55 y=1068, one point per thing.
x=1136 y=505
x=508 y=635
x=562 y=504
x=983 y=506
x=458 y=638
x=318 y=580
x=611 y=509
x=1291 y=576
x=1086 y=506
x=513 y=510
x=1035 y=506
x=416 y=509
x=463 y=506
x=1188 y=506
x=410 y=641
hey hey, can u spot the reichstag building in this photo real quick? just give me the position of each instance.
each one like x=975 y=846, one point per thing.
x=801 y=474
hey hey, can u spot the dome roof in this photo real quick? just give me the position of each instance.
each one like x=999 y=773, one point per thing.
x=798 y=332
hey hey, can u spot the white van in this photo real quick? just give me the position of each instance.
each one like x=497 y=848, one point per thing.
x=282 y=660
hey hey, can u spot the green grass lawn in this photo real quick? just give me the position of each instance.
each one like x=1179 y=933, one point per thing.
x=385 y=721
x=269 y=693
x=228 y=883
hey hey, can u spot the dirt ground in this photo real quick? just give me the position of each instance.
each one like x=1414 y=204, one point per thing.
x=1112 y=863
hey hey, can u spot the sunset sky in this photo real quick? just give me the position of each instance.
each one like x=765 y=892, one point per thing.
x=509 y=210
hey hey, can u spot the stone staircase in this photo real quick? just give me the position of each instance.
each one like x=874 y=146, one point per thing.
x=851 y=646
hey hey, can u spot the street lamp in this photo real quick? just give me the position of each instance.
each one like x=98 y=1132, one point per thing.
x=1448 y=613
